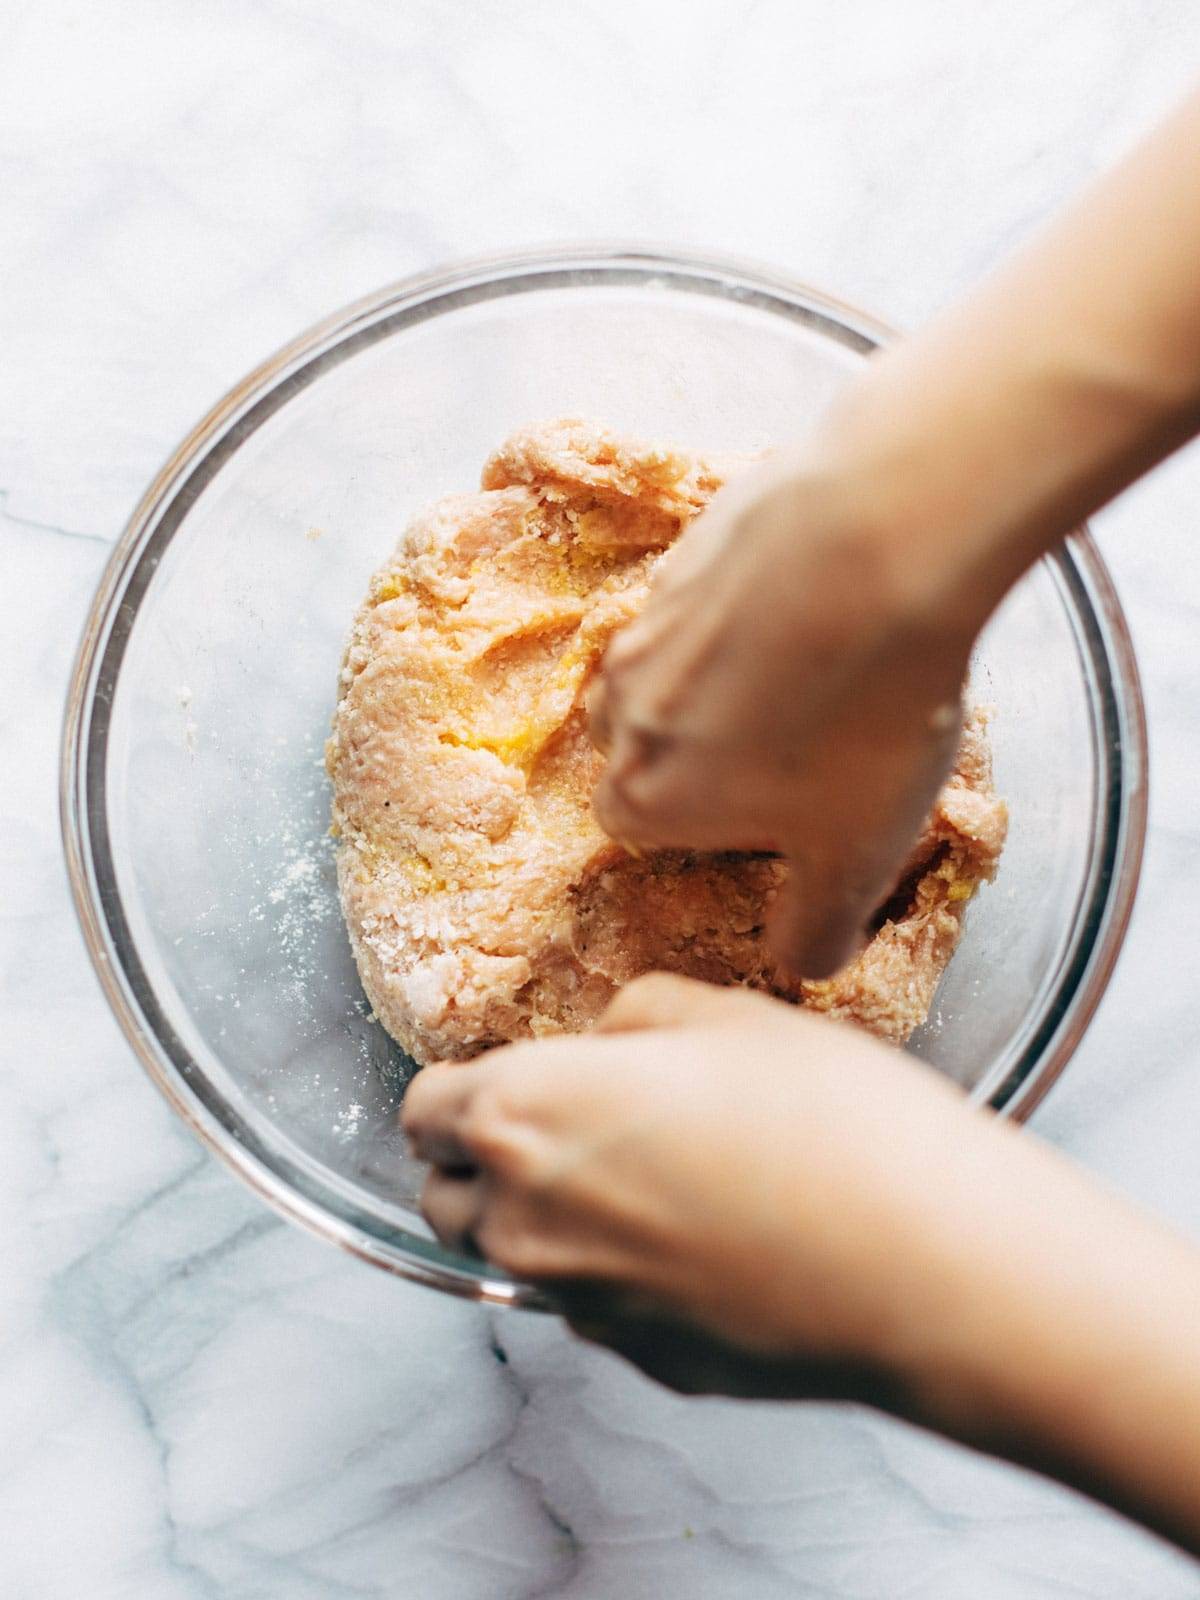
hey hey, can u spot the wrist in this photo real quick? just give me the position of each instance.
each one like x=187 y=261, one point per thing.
x=849 y=507
x=1063 y=1338
x=918 y=492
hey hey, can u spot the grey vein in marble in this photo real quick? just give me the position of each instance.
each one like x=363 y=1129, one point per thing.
x=195 y=1400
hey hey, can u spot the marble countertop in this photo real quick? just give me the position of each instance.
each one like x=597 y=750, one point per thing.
x=195 y=1399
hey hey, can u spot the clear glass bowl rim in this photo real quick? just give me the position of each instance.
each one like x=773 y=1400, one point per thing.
x=1102 y=637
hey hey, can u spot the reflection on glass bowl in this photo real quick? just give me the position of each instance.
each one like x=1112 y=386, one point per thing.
x=195 y=808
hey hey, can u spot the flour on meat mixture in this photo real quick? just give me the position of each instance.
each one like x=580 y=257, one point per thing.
x=482 y=899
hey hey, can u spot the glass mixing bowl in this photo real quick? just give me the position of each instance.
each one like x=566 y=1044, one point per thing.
x=195 y=806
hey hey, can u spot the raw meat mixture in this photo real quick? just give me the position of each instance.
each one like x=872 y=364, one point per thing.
x=483 y=901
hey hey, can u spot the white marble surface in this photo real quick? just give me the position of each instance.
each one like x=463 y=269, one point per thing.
x=196 y=1400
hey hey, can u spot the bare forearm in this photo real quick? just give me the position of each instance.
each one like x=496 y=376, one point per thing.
x=1069 y=1338
x=746 y=1198
x=1063 y=378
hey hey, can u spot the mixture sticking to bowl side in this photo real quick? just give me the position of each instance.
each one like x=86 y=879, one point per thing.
x=483 y=901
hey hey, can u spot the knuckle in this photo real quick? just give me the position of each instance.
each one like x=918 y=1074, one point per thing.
x=488 y=1124
x=643 y=790
x=608 y=804
x=624 y=649
x=417 y=1092
x=490 y=1106
x=498 y=1128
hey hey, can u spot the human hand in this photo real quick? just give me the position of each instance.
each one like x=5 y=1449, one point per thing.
x=736 y=1194
x=795 y=1197
x=793 y=684
x=745 y=1198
